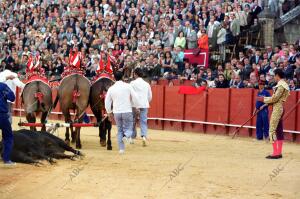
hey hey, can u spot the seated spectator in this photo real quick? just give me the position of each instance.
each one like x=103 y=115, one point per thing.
x=238 y=82
x=271 y=81
x=167 y=62
x=188 y=70
x=241 y=71
x=292 y=84
x=256 y=58
x=228 y=71
x=178 y=56
x=222 y=82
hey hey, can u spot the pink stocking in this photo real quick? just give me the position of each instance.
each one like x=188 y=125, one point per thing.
x=279 y=147
x=275 y=149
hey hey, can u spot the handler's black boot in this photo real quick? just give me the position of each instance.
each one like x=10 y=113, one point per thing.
x=273 y=157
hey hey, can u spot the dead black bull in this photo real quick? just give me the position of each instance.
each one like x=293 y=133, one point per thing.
x=32 y=147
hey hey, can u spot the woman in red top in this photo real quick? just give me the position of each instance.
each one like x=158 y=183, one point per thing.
x=203 y=40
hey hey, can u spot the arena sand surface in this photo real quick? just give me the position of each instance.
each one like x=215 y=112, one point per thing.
x=174 y=165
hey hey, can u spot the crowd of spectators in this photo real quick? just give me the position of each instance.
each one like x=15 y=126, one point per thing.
x=151 y=34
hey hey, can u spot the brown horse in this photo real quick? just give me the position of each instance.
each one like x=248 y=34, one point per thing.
x=37 y=97
x=97 y=96
x=73 y=94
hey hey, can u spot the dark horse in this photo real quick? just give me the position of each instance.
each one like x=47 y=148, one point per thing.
x=97 y=96
x=37 y=97
x=73 y=94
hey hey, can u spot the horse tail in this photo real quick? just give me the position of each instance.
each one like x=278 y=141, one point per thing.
x=39 y=96
x=55 y=101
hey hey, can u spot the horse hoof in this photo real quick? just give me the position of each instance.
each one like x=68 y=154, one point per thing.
x=103 y=143
x=109 y=148
x=78 y=146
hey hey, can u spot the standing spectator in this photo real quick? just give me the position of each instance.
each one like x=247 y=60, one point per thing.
x=168 y=38
x=121 y=96
x=241 y=16
x=262 y=118
x=273 y=6
x=215 y=29
x=221 y=39
x=191 y=39
x=203 y=41
x=234 y=26
x=7 y=135
x=144 y=94
x=180 y=41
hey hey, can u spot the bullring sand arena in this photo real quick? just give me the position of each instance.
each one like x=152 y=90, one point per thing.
x=173 y=165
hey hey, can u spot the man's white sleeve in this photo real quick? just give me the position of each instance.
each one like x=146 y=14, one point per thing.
x=108 y=102
x=134 y=97
x=18 y=83
x=2 y=78
x=149 y=93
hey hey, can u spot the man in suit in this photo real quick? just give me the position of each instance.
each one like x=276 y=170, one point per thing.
x=168 y=38
x=212 y=32
x=256 y=58
x=256 y=9
x=238 y=83
x=192 y=39
x=177 y=28
x=234 y=25
x=270 y=52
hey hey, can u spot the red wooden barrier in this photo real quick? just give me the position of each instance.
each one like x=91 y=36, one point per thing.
x=218 y=109
x=195 y=109
x=289 y=122
x=241 y=109
x=157 y=107
x=297 y=119
x=174 y=108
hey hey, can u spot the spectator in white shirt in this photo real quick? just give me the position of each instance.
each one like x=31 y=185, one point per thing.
x=121 y=97
x=12 y=81
x=144 y=94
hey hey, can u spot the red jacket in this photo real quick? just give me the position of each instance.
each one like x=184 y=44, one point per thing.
x=203 y=42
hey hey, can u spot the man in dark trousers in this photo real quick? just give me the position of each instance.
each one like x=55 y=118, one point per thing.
x=7 y=137
x=262 y=119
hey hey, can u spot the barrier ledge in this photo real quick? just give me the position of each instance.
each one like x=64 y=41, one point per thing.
x=186 y=121
x=213 y=123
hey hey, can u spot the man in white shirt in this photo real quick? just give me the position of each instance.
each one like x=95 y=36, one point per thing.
x=144 y=94
x=121 y=97
x=12 y=81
